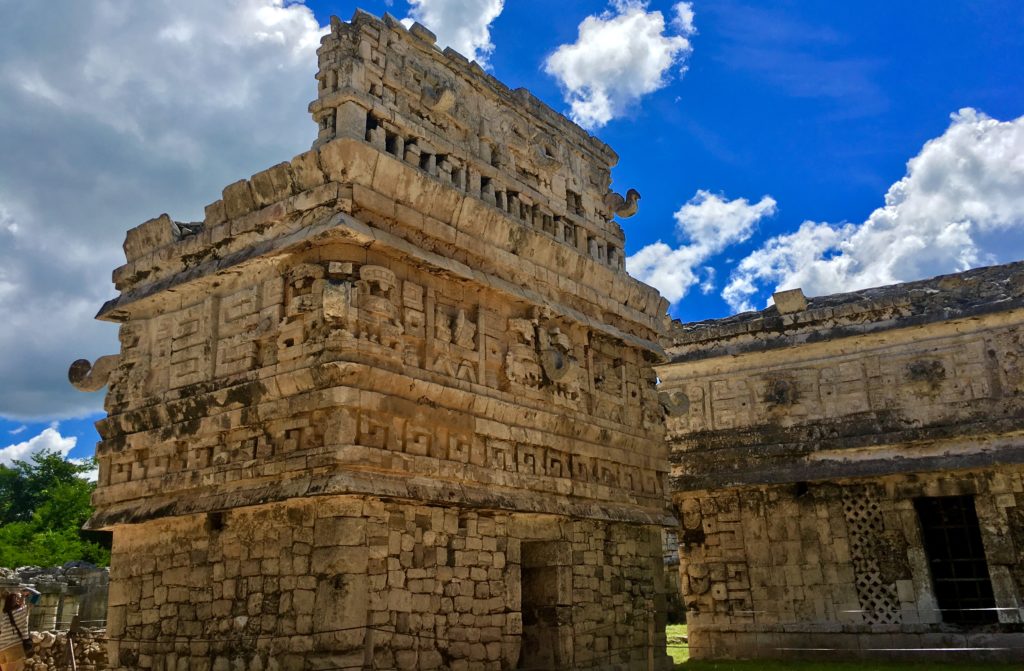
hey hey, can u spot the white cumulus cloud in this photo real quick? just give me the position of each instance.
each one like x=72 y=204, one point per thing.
x=706 y=224
x=463 y=25
x=618 y=57
x=49 y=440
x=112 y=114
x=91 y=475
x=960 y=205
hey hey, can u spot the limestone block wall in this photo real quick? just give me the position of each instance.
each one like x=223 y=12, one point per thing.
x=429 y=307
x=343 y=582
x=801 y=436
x=780 y=571
x=52 y=653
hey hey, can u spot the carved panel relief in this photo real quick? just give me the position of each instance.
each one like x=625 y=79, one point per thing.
x=186 y=336
x=134 y=377
x=730 y=403
x=454 y=352
x=237 y=328
x=939 y=380
x=842 y=389
x=685 y=409
x=543 y=357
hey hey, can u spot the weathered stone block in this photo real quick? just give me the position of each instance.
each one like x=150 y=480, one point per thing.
x=349 y=161
x=271 y=185
x=148 y=237
x=215 y=214
x=238 y=199
x=306 y=171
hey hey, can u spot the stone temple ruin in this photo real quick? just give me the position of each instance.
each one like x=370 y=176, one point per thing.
x=392 y=404
x=846 y=472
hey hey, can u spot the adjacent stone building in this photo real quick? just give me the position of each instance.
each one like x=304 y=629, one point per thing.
x=847 y=472
x=391 y=404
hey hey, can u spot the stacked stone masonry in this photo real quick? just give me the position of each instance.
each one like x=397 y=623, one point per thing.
x=805 y=445
x=350 y=581
x=51 y=651
x=391 y=403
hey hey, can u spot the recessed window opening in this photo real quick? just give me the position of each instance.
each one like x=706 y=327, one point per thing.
x=956 y=556
x=215 y=521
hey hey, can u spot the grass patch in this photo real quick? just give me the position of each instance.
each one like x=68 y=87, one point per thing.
x=676 y=640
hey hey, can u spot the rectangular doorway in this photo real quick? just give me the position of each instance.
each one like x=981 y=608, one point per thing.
x=546 y=605
x=956 y=556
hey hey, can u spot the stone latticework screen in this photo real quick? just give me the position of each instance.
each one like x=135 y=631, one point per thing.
x=878 y=600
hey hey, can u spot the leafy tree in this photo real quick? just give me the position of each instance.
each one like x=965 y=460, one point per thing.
x=25 y=486
x=43 y=505
x=67 y=505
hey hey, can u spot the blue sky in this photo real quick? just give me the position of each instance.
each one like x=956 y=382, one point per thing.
x=770 y=142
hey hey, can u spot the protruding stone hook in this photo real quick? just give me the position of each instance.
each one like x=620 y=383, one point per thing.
x=622 y=207
x=676 y=403
x=439 y=99
x=85 y=376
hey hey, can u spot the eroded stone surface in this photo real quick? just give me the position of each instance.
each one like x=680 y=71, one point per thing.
x=349 y=398
x=800 y=443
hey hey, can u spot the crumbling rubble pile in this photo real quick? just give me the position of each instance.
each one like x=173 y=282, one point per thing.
x=51 y=651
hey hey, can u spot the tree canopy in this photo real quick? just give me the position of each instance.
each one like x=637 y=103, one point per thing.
x=43 y=504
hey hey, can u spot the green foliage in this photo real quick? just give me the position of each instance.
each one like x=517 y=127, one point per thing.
x=43 y=505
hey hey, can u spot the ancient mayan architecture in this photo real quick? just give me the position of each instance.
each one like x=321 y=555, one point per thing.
x=391 y=404
x=847 y=469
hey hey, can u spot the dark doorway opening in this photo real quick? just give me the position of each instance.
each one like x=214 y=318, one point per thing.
x=952 y=541
x=547 y=605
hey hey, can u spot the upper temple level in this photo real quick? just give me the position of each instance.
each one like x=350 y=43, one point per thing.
x=395 y=89
x=424 y=145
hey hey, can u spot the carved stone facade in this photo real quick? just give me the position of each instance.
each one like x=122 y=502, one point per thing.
x=391 y=404
x=840 y=462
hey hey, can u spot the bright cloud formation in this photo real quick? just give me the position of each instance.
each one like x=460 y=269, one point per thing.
x=111 y=115
x=618 y=57
x=960 y=205
x=49 y=440
x=707 y=224
x=463 y=25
